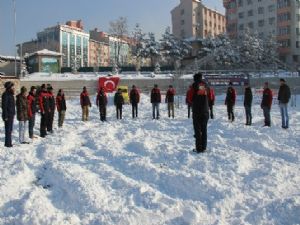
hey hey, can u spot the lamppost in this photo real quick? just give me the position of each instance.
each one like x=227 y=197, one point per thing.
x=15 y=48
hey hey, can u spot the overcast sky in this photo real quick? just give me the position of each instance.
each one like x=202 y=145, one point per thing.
x=34 y=15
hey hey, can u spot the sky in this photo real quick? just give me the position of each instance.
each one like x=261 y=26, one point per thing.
x=35 y=15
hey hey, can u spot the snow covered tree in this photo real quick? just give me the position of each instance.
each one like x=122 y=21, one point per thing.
x=138 y=46
x=151 y=49
x=157 y=68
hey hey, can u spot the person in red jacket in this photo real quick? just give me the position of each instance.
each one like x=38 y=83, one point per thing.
x=61 y=107
x=211 y=100
x=134 y=97
x=101 y=103
x=85 y=103
x=170 y=100
x=266 y=104
x=44 y=109
x=155 y=100
x=31 y=98
x=187 y=100
x=230 y=101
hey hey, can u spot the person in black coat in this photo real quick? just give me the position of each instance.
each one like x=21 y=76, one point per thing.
x=199 y=99
x=8 y=111
x=284 y=96
x=155 y=100
x=230 y=101
x=101 y=103
x=134 y=97
x=248 y=97
x=119 y=102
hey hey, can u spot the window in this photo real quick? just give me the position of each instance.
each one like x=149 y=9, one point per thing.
x=241 y=27
x=283 y=3
x=182 y=12
x=297 y=44
x=250 y=13
x=284 y=17
x=295 y=58
x=261 y=23
x=240 y=3
x=250 y=25
x=285 y=43
x=260 y=10
x=271 y=8
x=249 y=2
x=241 y=15
x=284 y=30
x=182 y=22
x=298 y=31
x=271 y=20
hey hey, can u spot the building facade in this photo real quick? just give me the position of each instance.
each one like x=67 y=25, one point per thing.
x=280 y=18
x=192 y=19
x=99 y=54
x=70 y=40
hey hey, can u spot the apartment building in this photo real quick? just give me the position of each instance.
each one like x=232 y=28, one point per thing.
x=192 y=19
x=280 y=18
x=99 y=53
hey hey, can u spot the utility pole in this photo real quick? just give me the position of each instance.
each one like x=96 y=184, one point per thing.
x=15 y=42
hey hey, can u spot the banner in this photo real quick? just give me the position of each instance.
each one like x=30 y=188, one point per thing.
x=224 y=79
x=109 y=84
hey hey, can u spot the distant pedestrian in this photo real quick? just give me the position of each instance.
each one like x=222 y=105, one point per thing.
x=230 y=101
x=31 y=98
x=266 y=104
x=61 y=107
x=22 y=114
x=248 y=97
x=134 y=100
x=101 y=103
x=8 y=111
x=44 y=109
x=85 y=103
x=199 y=99
x=170 y=101
x=188 y=99
x=284 y=96
x=155 y=100
x=119 y=102
x=51 y=100
x=211 y=101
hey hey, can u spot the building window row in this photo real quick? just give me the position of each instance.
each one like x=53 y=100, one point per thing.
x=285 y=43
x=283 y=3
x=284 y=30
x=284 y=17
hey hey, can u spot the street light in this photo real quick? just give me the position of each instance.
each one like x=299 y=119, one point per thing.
x=15 y=42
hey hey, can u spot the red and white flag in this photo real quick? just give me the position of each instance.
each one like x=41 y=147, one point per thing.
x=109 y=84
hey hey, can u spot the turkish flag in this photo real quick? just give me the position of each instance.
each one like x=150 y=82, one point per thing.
x=109 y=84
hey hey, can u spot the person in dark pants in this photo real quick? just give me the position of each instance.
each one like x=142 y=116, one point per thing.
x=170 y=101
x=230 y=101
x=211 y=101
x=187 y=100
x=134 y=100
x=8 y=111
x=61 y=107
x=266 y=104
x=155 y=100
x=101 y=103
x=284 y=95
x=199 y=99
x=31 y=110
x=45 y=110
x=248 y=97
x=51 y=100
x=119 y=102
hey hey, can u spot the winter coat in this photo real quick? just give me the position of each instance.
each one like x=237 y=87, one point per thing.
x=248 y=97
x=134 y=96
x=267 y=98
x=51 y=99
x=8 y=105
x=189 y=96
x=284 y=94
x=170 y=95
x=211 y=96
x=155 y=96
x=230 y=96
x=101 y=99
x=61 y=103
x=118 y=99
x=22 y=107
x=199 y=98
x=85 y=99
x=31 y=104
x=44 y=102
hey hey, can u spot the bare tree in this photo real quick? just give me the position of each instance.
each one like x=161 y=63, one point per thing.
x=119 y=30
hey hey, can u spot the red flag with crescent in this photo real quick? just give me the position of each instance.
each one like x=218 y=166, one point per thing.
x=109 y=84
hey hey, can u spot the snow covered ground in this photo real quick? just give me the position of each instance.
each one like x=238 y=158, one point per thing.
x=142 y=171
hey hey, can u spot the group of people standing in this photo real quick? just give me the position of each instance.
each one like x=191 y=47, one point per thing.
x=26 y=106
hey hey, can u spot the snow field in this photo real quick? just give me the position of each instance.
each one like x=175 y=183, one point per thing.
x=142 y=171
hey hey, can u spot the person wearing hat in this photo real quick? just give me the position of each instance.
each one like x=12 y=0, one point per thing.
x=101 y=102
x=170 y=101
x=8 y=111
x=134 y=97
x=230 y=101
x=119 y=102
x=22 y=114
x=248 y=97
x=61 y=107
x=85 y=103
x=284 y=96
x=44 y=109
x=51 y=100
x=155 y=100
x=199 y=99
x=266 y=104
x=31 y=98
